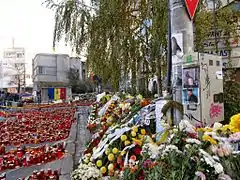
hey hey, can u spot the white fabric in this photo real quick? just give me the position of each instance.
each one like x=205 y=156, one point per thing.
x=99 y=96
x=105 y=107
x=110 y=137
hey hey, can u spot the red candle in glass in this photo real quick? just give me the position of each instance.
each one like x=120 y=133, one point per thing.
x=49 y=172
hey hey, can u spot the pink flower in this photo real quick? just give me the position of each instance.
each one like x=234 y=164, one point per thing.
x=234 y=137
x=224 y=177
x=201 y=175
x=227 y=149
x=220 y=152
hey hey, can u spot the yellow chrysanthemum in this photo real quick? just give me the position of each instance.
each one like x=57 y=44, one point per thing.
x=137 y=141
x=207 y=129
x=235 y=123
x=209 y=139
x=225 y=128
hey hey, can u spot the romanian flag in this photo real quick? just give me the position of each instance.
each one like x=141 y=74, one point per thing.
x=51 y=93
x=63 y=93
x=57 y=93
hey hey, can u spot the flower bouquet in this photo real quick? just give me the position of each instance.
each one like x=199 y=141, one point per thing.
x=126 y=146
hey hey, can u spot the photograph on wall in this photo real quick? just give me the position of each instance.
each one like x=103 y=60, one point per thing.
x=177 y=48
x=177 y=73
x=190 y=96
x=190 y=77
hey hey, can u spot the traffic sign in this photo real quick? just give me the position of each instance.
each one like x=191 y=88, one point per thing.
x=191 y=7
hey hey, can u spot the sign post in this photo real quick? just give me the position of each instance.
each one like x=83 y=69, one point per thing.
x=191 y=6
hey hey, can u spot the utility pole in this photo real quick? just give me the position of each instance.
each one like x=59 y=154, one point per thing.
x=180 y=24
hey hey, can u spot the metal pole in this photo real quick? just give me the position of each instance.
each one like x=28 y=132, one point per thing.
x=169 y=67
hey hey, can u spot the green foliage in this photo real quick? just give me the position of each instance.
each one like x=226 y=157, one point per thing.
x=205 y=23
x=231 y=95
x=232 y=165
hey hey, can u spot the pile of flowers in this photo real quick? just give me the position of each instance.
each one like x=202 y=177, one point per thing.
x=126 y=146
x=116 y=111
x=24 y=157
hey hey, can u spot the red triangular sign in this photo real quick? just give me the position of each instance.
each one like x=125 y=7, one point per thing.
x=191 y=7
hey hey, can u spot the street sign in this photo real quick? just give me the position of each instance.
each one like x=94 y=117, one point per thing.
x=191 y=7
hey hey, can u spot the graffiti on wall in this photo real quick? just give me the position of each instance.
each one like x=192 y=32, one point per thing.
x=198 y=123
x=215 y=111
x=206 y=87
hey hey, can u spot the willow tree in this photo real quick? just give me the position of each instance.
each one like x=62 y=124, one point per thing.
x=115 y=33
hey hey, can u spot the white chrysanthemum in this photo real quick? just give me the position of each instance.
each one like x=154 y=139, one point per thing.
x=193 y=141
x=171 y=148
x=217 y=126
x=185 y=125
x=211 y=162
x=86 y=172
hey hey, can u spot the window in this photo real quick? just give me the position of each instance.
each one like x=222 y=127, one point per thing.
x=210 y=62
x=217 y=63
x=40 y=70
x=52 y=71
x=19 y=55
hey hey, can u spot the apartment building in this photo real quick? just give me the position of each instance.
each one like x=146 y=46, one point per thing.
x=13 y=70
x=52 y=70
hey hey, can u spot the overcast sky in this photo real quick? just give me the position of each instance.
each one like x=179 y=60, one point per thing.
x=30 y=24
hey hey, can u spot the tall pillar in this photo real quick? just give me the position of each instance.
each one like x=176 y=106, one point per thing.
x=182 y=30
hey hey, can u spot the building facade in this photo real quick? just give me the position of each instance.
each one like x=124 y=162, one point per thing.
x=13 y=70
x=52 y=70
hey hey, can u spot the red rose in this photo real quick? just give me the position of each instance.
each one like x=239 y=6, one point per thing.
x=137 y=150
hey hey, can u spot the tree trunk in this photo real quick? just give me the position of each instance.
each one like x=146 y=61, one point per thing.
x=159 y=77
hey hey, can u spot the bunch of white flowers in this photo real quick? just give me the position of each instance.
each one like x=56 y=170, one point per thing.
x=151 y=149
x=211 y=162
x=193 y=141
x=86 y=172
x=170 y=148
x=186 y=126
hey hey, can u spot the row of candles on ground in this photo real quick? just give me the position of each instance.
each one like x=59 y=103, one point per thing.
x=38 y=175
x=23 y=157
x=57 y=105
x=37 y=127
